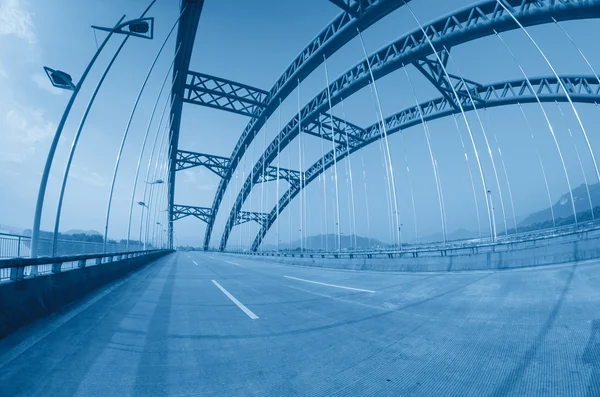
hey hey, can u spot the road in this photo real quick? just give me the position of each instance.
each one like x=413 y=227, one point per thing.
x=206 y=324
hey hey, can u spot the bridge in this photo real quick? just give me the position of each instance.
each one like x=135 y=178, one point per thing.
x=411 y=208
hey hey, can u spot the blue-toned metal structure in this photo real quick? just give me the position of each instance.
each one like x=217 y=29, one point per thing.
x=338 y=33
x=582 y=89
x=468 y=24
x=186 y=35
x=182 y=211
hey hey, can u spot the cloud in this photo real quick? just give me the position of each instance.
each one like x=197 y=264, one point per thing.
x=92 y=178
x=41 y=80
x=21 y=129
x=191 y=178
x=14 y=20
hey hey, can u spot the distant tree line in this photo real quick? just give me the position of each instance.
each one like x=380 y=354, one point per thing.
x=89 y=238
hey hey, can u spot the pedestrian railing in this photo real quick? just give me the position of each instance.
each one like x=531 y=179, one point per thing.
x=544 y=238
x=14 y=245
x=16 y=269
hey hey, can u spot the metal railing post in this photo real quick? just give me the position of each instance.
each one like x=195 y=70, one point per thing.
x=57 y=267
x=16 y=273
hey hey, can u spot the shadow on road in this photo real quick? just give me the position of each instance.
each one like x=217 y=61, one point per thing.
x=513 y=377
x=153 y=363
x=591 y=357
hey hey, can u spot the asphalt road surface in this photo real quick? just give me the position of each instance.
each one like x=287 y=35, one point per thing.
x=203 y=324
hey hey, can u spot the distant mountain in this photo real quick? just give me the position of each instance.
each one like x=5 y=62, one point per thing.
x=564 y=208
x=321 y=241
x=10 y=230
x=458 y=234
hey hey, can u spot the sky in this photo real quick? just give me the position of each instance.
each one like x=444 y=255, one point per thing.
x=253 y=43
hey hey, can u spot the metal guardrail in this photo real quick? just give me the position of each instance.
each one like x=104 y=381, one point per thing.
x=16 y=269
x=541 y=238
x=14 y=245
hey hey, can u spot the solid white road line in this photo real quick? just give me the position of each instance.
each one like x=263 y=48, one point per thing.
x=237 y=302
x=330 y=285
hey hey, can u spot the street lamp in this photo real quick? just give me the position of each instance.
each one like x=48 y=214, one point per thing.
x=141 y=27
x=63 y=80
x=156 y=182
x=60 y=79
x=142 y=204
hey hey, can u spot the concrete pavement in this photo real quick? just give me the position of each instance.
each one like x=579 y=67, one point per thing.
x=207 y=324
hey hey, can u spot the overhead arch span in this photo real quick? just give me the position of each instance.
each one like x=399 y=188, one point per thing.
x=468 y=24
x=582 y=89
x=338 y=33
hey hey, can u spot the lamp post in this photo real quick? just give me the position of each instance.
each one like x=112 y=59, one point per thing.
x=493 y=231
x=134 y=26
x=400 y=235
x=63 y=80
x=154 y=236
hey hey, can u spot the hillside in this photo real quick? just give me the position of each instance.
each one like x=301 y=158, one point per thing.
x=563 y=207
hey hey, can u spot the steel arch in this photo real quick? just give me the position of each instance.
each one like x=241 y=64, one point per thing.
x=466 y=25
x=186 y=35
x=338 y=33
x=582 y=89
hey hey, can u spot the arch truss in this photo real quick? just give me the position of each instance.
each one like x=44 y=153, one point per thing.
x=582 y=89
x=468 y=24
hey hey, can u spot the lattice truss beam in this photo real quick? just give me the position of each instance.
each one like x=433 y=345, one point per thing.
x=293 y=177
x=468 y=24
x=350 y=7
x=581 y=89
x=218 y=93
x=433 y=70
x=219 y=165
x=182 y=211
x=326 y=126
x=246 y=216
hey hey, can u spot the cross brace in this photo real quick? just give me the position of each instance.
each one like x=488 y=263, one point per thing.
x=246 y=216
x=291 y=176
x=343 y=131
x=217 y=164
x=345 y=6
x=433 y=70
x=218 y=93
x=182 y=211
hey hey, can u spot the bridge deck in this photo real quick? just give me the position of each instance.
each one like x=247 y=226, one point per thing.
x=170 y=330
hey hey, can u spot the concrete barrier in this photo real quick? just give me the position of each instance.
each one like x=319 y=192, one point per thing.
x=550 y=251
x=24 y=301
